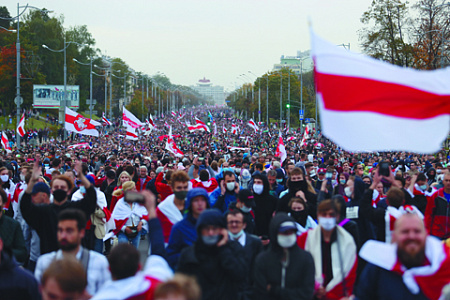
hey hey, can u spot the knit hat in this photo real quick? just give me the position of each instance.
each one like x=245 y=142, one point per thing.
x=40 y=187
x=211 y=216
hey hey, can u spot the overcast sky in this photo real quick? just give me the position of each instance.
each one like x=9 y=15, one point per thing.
x=191 y=39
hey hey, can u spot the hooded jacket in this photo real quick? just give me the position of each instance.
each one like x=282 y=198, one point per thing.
x=184 y=233
x=297 y=276
x=266 y=204
x=220 y=271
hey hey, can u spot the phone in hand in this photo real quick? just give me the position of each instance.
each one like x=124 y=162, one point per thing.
x=384 y=169
x=132 y=196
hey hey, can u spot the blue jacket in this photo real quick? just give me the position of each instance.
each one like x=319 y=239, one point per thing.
x=183 y=234
x=222 y=204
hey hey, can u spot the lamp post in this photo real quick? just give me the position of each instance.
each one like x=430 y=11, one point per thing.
x=281 y=96
x=124 y=85
x=106 y=89
x=111 y=63
x=259 y=96
x=62 y=108
x=90 y=84
x=18 y=100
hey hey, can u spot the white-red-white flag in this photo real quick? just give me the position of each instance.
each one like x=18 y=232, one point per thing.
x=131 y=134
x=150 y=121
x=199 y=122
x=5 y=143
x=224 y=129
x=281 y=150
x=197 y=127
x=305 y=137
x=80 y=146
x=21 y=127
x=171 y=146
x=253 y=125
x=291 y=138
x=174 y=114
x=79 y=124
x=106 y=121
x=392 y=106
x=234 y=128
x=130 y=119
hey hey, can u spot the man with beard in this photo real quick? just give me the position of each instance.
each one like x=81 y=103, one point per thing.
x=404 y=270
x=43 y=218
x=71 y=224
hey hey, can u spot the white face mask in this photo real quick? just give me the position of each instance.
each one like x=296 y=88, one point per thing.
x=246 y=209
x=4 y=178
x=286 y=241
x=22 y=177
x=231 y=186
x=237 y=170
x=237 y=235
x=258 y=188
x=348 y=191
x=327 y=224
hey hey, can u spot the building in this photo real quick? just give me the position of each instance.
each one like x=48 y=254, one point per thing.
x=209 y=91
x=303 y=60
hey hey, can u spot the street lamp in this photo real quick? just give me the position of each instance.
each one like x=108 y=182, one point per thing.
x=18 y=100
x=62 y=108
x=90 y=83
x=124 y=85
x=259 y=96
x=111 y=63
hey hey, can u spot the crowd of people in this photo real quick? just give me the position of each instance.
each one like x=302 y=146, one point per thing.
x=226 y=219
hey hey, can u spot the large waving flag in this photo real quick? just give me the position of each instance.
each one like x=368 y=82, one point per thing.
x=106 y=122
x=130 y=119
x=369 y=105
x=281 y=150
x=195 y=127
x=253 y=125
x=131 y=134
x=234 y=129
x=21 y=127
x=5 y=143
x=171 y=146
x=150 y=122
x=199 y=122
x=79 y=124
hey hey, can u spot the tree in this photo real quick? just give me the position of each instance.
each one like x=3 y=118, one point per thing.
x=4 y=16
x=383 y=36
x=431 y=32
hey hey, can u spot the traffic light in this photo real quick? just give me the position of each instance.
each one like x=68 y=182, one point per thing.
x=288 y=105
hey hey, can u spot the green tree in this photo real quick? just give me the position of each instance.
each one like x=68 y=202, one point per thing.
x=4 y=16
x=383 y=34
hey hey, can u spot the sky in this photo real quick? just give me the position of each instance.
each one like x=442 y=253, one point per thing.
x=190 y=39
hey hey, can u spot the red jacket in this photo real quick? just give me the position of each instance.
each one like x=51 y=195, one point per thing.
x=139 y=185
x=437 y=215
x=162 y=188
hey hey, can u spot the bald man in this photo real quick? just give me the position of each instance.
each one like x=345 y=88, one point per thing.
x=403 y=269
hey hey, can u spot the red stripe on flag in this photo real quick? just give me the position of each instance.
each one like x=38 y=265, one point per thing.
x=343 y=93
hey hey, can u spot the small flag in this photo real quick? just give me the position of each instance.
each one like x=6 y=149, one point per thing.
x=21 y=127
x=5 y=143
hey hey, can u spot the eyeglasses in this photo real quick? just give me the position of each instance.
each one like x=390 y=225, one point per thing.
x=234 y=222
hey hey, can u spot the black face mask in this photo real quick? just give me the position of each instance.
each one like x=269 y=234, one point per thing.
x=295 y=186
x=59 y=195
x=204 y=177
x=300 y=216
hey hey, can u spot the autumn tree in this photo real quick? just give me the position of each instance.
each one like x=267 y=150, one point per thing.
x=384 y=35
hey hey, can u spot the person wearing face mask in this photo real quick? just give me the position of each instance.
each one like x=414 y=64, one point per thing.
x=283 y=271
x=226 y=193
x=217 y=262
x=43 y=218
x=245 y=204
x=236 y=225
x=297 y=183
x=299 y=211
x=183 y=233
x=419 y=190
x=334 y=253
x=266 y=204
x=9 y=187
x=171 y=210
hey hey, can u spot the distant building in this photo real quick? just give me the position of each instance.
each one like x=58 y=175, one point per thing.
x=209 y=91
x=293 y=62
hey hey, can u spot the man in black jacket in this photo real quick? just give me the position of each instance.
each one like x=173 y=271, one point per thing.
x=217 y=262
x=284 y=271
x=44 y=218
x=251 y=243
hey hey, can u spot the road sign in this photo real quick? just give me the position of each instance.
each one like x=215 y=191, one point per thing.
x=94 y=112
x=301 y=117
x=307 y=120
x=18 y=100
x=301 y=112
x=88 y=101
